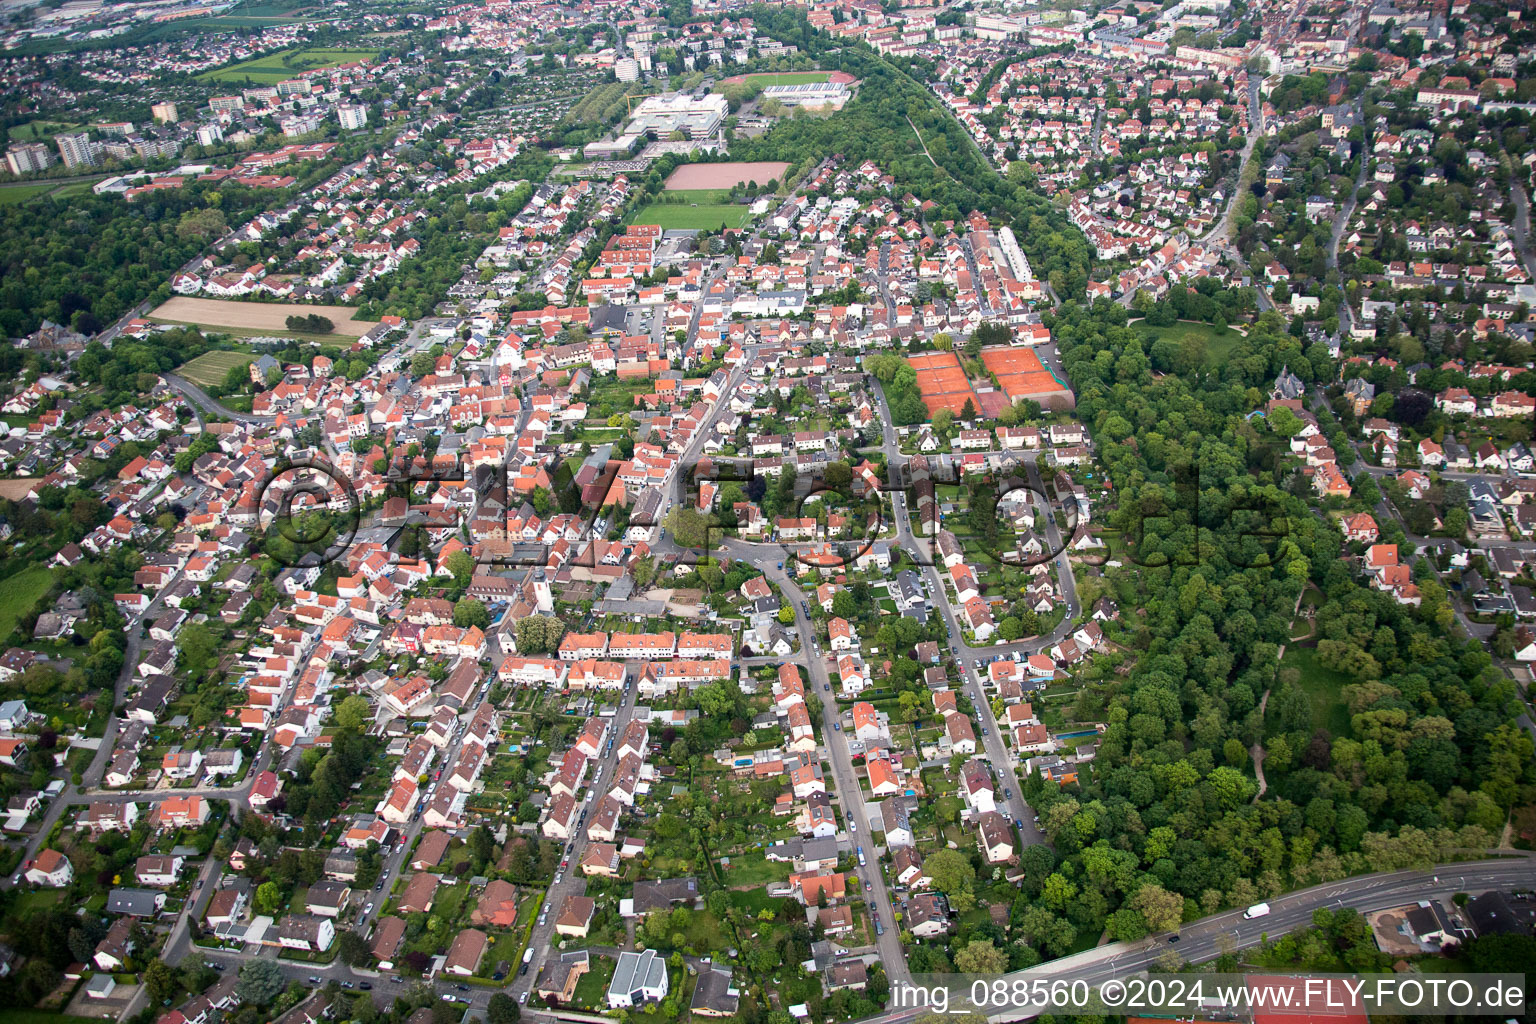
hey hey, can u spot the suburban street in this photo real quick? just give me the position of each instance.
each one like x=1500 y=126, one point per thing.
x=835 y=743
x=570 y=881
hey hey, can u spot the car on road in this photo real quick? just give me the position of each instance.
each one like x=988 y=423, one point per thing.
x=368 y=910
x=827 y=687
x=868 y=887
x=523 y=998
x=348 y=984
x=200 y=882
x=853 y=826
x=565 y=863
x=366 y=986
x=463 y=988
x=837 y=726
x=314 y=980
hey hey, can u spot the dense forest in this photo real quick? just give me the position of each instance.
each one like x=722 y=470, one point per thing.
x=1424 y=762
x=86 y=260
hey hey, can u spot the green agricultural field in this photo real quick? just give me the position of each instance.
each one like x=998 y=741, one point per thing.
x=19 y=592
x=676 y=216
x=285 y=64
x=211 y=368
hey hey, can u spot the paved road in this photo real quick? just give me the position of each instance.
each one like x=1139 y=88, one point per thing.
x=572 y=882
x=200 y=398
x=91 y=778
x=835 y=742
x=1341 y=219
x=1200 y=940
x=1221 y=231
x=1522 y=226
x=1208 y=937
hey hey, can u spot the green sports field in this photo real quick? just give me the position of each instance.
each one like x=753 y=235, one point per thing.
x=285 y=64
x=676 y=216
x=767 y=78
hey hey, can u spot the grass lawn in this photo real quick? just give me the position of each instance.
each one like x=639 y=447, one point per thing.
x=285 y=64
x=754 y=901
x=76 y=188
x=1218 y=347
x=754 y=868
x=702 y=196
x=34 y=131
x=13 y=194
x=210 y=368
x=592 y=989
x=19 y=592
x=1323 y=686
x=27 y=903
x=699 y=218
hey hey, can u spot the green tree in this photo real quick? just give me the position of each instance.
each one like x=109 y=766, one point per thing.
x=470 y=612
x=352 y=948
x=261 y=981
x=951 y=872
x=462 y=566
x=160 y=980
x=502 y=1009
x=268 y=899
x=980 y=957
x=353 y=712
x=1162 y=910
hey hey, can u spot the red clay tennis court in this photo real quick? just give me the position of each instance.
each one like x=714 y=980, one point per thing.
x=942 y=382
x=1021 y=374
